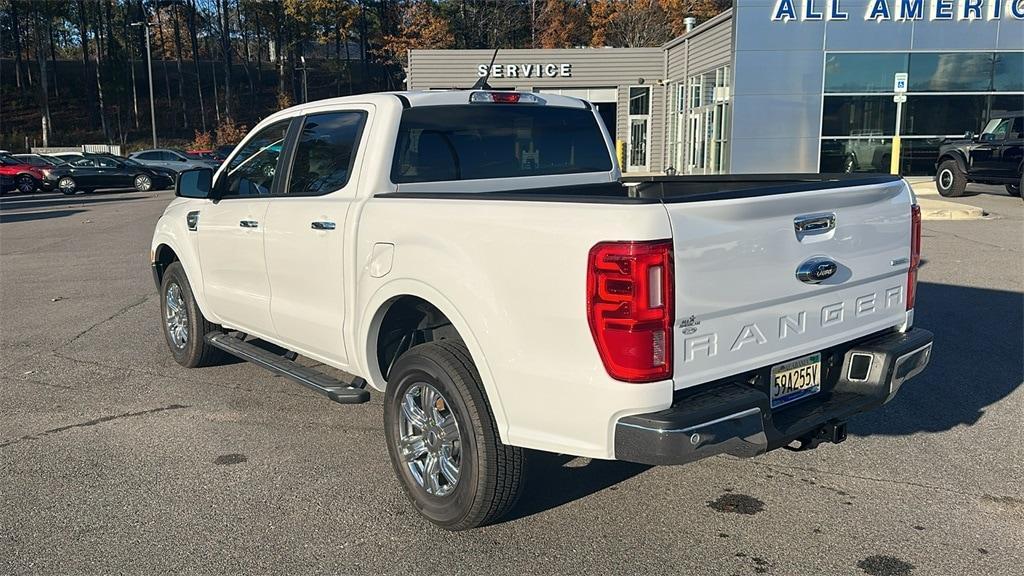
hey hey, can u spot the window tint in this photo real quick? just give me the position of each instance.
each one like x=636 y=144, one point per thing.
x=862 y=72
x=325 y=152
x=950 y=72
x=251 y=172
x=107 y=163
x=149 y=156
x=864 y=116
x=438 y=143
x=33 y=160
x=1009 y=72
x=944 y=115
x=999 y=130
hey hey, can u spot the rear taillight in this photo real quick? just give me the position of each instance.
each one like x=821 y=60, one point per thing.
x=630 y=291
x=915 y=254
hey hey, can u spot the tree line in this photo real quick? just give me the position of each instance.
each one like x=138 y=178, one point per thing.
x=219 y=65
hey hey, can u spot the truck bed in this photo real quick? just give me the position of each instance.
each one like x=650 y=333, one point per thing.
x=670 y=189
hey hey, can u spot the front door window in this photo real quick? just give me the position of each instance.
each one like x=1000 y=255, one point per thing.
x=251 y=171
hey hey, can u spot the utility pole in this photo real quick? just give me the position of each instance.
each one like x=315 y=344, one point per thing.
x=149 y=65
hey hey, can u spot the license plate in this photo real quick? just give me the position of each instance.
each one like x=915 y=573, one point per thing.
x=796 y=379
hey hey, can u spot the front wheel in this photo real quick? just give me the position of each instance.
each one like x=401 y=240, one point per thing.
x=184 y=326
x=950 y=180
x=443 y=441
x=143 y=183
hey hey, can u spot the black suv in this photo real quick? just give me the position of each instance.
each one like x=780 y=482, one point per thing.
x=994 y=157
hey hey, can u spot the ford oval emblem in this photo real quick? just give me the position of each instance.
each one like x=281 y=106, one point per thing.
x=816 y=270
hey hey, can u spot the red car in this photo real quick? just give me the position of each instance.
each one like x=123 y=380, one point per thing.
x=15 y=174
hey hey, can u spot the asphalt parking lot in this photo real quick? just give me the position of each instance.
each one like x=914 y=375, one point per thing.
x=113 y=459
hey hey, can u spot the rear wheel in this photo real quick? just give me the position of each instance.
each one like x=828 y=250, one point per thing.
x=66 y=185
x=1014 y=189
x=184 y=326
x=25 y=184
x=443 y=441
x=143 y=183
x=950 y=180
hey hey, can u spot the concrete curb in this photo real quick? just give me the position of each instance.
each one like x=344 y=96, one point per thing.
x=932 y=208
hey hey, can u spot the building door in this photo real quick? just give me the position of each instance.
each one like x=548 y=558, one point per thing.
x=637 y=157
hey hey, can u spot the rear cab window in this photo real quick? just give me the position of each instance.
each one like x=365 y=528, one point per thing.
x=484 y=141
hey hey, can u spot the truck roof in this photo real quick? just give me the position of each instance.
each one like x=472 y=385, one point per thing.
x=413 y=98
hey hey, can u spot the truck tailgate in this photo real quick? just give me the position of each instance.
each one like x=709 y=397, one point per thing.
x=739 y=303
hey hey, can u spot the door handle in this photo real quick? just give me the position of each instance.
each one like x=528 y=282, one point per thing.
x=249 y=224
x=814 y=223
x=322 y=225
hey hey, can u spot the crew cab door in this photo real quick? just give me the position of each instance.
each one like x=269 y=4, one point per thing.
x=306 y=235
x=231 y=233
x=987 y=155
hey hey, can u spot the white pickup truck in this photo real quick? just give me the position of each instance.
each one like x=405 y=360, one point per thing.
x=476 y=257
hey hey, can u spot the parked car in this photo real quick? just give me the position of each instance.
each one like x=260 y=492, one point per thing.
x=96 y=171
x=19 y=175
x=57 y=174
x=69 y=157
x=994 y=157
x=476 y=257
x=170 y=159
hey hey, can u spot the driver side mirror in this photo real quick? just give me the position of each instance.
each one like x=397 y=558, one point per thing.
x=969 y=135
x=194 y=183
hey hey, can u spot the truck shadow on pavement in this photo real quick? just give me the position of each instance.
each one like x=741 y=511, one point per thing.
x=556 y=479
x=29 y=216
x=977 y=360
x=27 y=202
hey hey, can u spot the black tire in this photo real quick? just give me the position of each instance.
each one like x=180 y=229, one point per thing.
x=491 y=474
x=1014 y=189
x=193 y=351
x=950 y=180
x=67 y=185
x=25 y=184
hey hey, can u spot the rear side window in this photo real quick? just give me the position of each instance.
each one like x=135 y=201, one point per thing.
x=325 y=152
x=479 y=141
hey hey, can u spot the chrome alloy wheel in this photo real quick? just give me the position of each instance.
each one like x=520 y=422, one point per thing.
x=66 y=184
x=430 y=443
x=176 y=317
x=946 y=179
x=143 y=183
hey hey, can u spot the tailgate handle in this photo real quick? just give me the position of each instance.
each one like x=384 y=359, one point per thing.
x=814 y=223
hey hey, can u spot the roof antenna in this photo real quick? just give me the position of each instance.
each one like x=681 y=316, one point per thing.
x=482 y=84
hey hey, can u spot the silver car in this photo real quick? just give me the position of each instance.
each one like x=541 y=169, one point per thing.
x=170 y=159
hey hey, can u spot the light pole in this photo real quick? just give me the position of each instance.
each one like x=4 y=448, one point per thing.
x=149 y=66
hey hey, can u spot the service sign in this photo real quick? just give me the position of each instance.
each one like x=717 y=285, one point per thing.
x=548 y=70
x=899 y=10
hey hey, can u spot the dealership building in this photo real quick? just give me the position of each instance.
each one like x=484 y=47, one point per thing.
x=781 y=85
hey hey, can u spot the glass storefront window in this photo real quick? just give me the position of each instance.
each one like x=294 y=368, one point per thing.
x=858 y=116
x=862 y=72
x=1008 y=72
x=950 y=72
x=944 y=115
x=856 y=155
x=1003 y=103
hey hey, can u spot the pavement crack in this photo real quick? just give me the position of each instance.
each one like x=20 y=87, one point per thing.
x=89 y=423
x=123 y=310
